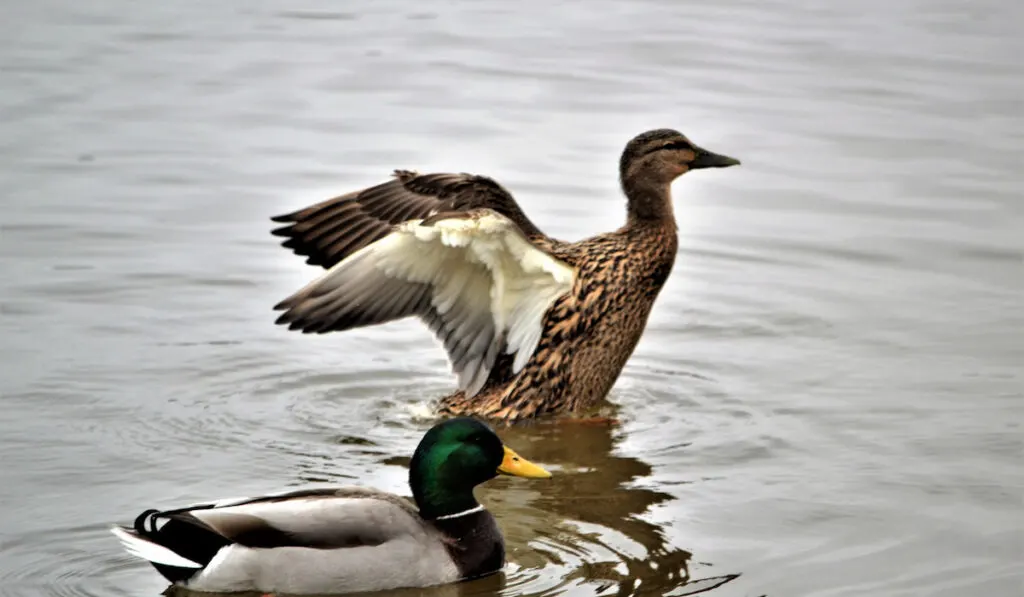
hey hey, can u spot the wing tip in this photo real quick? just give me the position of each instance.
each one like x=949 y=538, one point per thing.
x=290 y=319
x=306 y=325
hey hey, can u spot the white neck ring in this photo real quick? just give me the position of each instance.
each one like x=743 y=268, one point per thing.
x=461 y=514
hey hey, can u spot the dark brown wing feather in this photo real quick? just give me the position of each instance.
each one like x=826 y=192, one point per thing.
x=332 y=230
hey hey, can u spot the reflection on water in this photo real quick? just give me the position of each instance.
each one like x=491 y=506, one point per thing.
x=596 y=529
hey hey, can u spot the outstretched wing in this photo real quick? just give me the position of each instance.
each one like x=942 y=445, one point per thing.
x=332 y=230
x=472 y=276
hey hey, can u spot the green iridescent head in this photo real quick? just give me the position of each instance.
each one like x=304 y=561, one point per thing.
x=454 y=457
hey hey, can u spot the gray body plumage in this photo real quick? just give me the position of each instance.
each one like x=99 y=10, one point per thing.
x=335 y=540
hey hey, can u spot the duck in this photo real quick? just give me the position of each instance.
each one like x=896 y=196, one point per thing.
x=532 y=326
x=343 y=539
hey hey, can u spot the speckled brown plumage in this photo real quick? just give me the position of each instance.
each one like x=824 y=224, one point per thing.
x=589 y=333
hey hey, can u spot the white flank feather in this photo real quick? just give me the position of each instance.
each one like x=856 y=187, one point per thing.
x=147 y=550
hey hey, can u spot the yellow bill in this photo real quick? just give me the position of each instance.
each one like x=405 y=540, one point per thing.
x=516 y=465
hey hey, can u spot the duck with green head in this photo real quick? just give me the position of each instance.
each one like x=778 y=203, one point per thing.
x=343 y=539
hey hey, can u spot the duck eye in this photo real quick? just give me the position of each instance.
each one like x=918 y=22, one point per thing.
x=676 y=145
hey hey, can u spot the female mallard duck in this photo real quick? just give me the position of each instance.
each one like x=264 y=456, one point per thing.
x=348 y=539
x=531 y=325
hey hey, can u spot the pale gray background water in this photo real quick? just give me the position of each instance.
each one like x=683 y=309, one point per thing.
x=827 y=400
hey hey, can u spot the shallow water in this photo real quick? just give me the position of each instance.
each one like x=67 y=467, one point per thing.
x=828 y=397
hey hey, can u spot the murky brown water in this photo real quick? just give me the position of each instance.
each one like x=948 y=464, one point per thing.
x=827 y=401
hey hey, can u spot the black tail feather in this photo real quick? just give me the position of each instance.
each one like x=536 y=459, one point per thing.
x=140 y=523
x=183 y=534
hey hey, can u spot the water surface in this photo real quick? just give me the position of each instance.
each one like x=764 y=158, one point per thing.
x=828 y=397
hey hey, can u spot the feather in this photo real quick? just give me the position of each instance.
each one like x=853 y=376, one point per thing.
x=488 y=289
x=303 y=541
x=332 y=230
x=149 y=551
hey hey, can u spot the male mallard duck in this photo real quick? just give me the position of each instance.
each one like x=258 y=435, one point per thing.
x=346 y=539
x=531 y=325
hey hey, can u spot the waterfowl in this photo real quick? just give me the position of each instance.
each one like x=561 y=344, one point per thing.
x=532 y=325
x=343 y=539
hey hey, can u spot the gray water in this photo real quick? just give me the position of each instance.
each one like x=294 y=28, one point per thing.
x=827 y=400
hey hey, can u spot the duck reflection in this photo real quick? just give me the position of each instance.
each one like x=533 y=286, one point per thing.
x=592 y=512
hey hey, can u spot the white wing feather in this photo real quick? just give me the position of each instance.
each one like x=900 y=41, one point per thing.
x=484 y=287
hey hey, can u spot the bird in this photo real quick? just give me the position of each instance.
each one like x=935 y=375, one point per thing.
x=532 y=326
x=343 y=539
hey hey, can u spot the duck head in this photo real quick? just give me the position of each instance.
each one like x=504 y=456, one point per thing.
x=665 y=154
x=652 y=160
x=454 y=457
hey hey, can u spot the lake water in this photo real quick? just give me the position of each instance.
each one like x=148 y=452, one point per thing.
x=827 y=401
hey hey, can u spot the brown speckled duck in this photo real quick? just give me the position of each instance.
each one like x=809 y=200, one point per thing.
x=532 y=325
